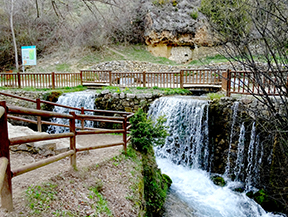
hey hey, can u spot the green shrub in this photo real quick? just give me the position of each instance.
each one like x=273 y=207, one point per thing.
x=194 y=15
x=144 y=134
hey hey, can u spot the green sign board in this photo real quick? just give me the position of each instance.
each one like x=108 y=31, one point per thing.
x=28 y=55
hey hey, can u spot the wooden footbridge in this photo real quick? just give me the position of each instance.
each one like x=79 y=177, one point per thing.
x=239 y=82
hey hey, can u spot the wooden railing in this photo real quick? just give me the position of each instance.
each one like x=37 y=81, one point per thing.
x=232 y=81
x=6 y=174
x=246 y=82
x=202 y=76
x=40 y=80
x=95 y=76
x=121 y=79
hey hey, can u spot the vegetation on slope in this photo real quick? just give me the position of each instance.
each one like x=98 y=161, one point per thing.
x=145 y=133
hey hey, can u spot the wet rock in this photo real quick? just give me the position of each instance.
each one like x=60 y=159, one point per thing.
x=218 y=180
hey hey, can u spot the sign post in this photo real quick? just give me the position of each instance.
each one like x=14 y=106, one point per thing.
x=28 y=56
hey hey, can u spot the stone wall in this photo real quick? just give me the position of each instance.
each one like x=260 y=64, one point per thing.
x=124 y=101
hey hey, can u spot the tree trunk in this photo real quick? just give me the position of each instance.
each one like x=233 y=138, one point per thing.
x=13 y=34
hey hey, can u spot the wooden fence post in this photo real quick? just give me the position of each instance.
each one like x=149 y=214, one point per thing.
x=6 y=192
x=181 y=79
x=53 y=80
x=73 y=140
x=82 y=120
x=144 y=79
x=81 y=78
x=226 y=82
x=38 y=106
x=19 y=79
x=228 y=92
x=110 y=78
x=125 y=132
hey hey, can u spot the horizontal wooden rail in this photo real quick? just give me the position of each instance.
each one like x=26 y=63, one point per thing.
x=36 y=138
x=18 y=97
x=26 y=111
x=102 y=120
x=2 y=111
x=99 y=146
x=64 y=106
x=3 y=166
x=99 y=131
x=41 y=163
x=59 y=105
x=98 y=117
x=5 y=179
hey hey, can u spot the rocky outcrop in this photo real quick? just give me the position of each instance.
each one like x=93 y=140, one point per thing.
x=177 y=25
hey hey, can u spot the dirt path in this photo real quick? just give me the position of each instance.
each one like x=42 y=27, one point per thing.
x=85 y=159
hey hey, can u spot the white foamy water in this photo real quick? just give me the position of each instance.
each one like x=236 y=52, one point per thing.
x=185 y=158
x=80 y=99
x=206 y=199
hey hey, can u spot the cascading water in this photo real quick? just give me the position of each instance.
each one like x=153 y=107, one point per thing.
x=187 y=143
x=240 y=154
x=185 y=158
x=235 y=109
x=84 y=99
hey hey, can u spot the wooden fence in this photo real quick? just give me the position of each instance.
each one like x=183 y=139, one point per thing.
x=237 y=82
x=6 y=174
x=245 y=82
x=40 y=80
x=105 y=77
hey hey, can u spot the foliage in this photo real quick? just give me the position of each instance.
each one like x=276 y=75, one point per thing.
x=144 y=134
x=217 y=96
x=160 y=90
x=102 y=206
x=63 y=90
x=257 y=32
x=39 y=197
x=218 y=180
x=230 y=18
x=160 y=2
x=54 y=25
x=194 y=15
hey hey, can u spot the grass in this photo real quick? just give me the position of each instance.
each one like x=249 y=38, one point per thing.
x=51 y=198
x=64 y=90
x=212 y=96
x=64 y=61
x=143 y=90
x=39 y=197
x=210 y=59
x=102 y=206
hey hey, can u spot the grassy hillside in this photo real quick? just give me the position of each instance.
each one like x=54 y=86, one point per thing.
x=75 y=59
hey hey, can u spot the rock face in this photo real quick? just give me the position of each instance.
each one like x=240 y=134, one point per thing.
x=173 y=29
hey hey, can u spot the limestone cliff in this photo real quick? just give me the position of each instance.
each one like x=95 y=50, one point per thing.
x=176 y=29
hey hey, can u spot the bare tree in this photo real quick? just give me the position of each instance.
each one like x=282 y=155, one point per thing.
x=254 y=34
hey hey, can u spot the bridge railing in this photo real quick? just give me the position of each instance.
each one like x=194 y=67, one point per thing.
x=202 y=76
x=6 y=174
x=40 y=80
x=246 y=82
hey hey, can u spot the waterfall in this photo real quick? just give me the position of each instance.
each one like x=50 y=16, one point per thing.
x=251 y=158
x=234 y=117
x=84 y=99
x=186 y=157
x=240 y=154
x=188 y=140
